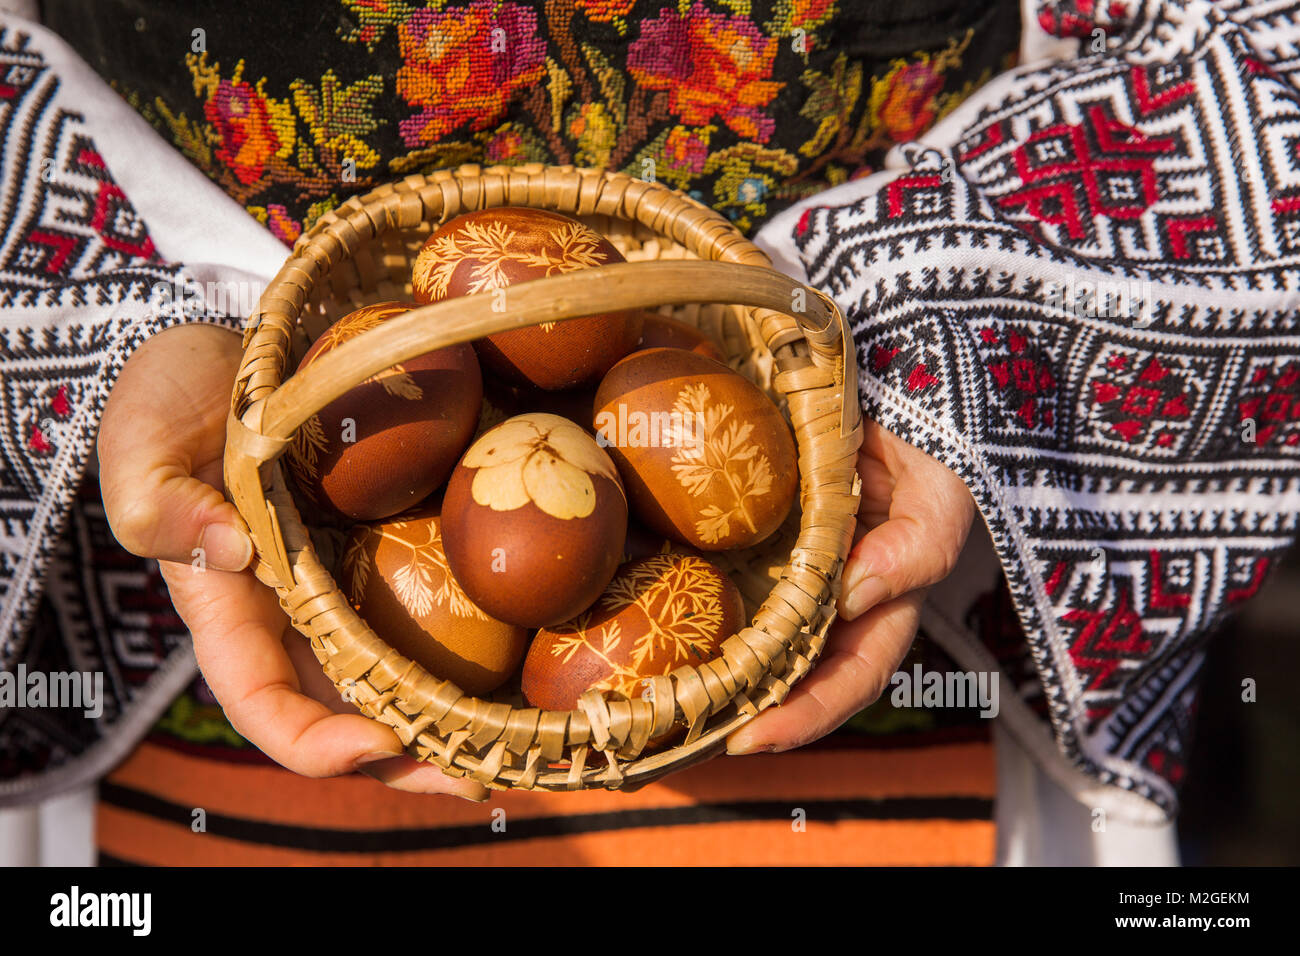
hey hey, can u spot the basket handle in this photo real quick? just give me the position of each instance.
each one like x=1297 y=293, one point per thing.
x=268 y=426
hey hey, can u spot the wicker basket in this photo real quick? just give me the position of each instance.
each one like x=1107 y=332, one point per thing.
x=790 y=339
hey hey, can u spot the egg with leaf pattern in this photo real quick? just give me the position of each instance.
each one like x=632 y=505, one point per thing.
x=657 y=614
x=706 y=457
x=535 y=520
x=396 y=575
x=491 y=249
x=660 y=331
x=391 y=441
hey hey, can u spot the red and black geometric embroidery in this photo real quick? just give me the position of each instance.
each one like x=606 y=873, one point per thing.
x=1022 y=360
x=1080 y=18
x=1270 y=402
x=1139 y=472
x=1106 y=641
x=77 y=273
x=79 y=223
x=1143 y=401
x=1072 y=174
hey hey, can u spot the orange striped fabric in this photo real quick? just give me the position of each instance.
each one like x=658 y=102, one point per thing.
x=838 y=803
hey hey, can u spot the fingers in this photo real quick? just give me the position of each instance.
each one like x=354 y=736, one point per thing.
x=160 y=447
x=160 y=450
x=414 y=776
x=401 y=773
x=262 y=673
x=238 y=627
x=892 y=560
x=854 y=670
x=155 y=510
x=917 y=542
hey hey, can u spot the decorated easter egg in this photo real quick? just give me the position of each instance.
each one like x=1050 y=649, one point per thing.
x=534 y=519
x=657 y=614
x=659 y=331
x=494 y=248
x=704 y=455
x=387 y=444
x=395 y=573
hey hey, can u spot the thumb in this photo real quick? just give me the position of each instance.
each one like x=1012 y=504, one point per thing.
x=160 y=448
x=890 y=560
x=157 y=511
x=916 y=547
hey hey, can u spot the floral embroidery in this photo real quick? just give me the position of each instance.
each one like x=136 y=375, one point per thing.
x=246 y=134
x=906 y=107
x=740 y=103
x=313 y=141
x=900 y=106
x=687 y=151
x=712 y=66
x=513 y=143
x=276 y=218
x=608 y=11
x=907 y=101
x=373 y=20
x=593 y=129
x=464 y=65
x=806 y=15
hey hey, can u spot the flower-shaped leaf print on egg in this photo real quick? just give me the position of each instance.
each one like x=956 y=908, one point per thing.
x=541 y=458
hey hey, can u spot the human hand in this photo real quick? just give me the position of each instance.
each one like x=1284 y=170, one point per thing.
x=160 y=447
x=913 y=521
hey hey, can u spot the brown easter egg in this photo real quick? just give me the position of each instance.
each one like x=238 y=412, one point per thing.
x=704 y=455
x=495 y=248
x=659 y=331
x=534 y=520
x=395 y=574
x=657 y=614
x=387 y=444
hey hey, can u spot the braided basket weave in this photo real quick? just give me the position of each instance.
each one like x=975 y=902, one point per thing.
x=789 y=339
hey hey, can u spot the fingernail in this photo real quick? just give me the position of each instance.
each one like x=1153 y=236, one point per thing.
x=745 y=747
x=854 y=572
x=372 y=757
x=226 y=547
x=473 y=796
x=864 y=596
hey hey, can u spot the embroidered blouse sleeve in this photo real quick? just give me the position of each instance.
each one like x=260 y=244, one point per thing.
x=87 y=275
x=1079 y=293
